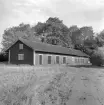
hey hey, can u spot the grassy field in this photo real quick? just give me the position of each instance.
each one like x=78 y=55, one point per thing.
x=20 y=84
x=51 y=85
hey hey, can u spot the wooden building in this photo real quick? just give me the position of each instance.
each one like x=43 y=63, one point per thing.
x=36 y=53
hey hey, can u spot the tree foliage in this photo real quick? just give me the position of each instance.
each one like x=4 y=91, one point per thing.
x=87 y=32
x=53 y=31
x=13 y=33
x=3 y=57
x=81 y=36
x=84 y=49
x=100 y=39
x=97 y=58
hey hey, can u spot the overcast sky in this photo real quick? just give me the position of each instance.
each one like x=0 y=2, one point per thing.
x=72 y=12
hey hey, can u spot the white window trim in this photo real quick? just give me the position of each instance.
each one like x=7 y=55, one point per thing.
x=42 y=58
x=34 y=60
x=51 y=58
x=76 y=60
x=73 y=58
x=20 y=46
x=49 y=54
x=65 y=58
x=59 y=59
x=20 y=57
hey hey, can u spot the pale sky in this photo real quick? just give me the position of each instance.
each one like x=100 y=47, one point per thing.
x=72 y=12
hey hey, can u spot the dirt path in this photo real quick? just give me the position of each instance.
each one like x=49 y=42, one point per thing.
x=85 y=91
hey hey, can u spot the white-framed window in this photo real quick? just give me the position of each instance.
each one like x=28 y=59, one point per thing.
x=57 y=59
x=20 y=56
x=64 y=60
x=40 y=59
x=20 y=46
x=73 y=59
x=83 y=60
x=88 y=62
x=49 y=59
x=76 y=60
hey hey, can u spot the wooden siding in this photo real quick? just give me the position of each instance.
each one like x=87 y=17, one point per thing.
x=32 y=57
x=70 y=60
x=44 y=59
x=27 y=51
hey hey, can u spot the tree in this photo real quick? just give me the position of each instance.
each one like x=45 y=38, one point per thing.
x=53 y=31
x=3 y=57
x=74 y=33
x=13 y=33
x=100 y=38
x=39 y=28
x=84 y=49
x=76 y=37
x=87 y=32
x=97 y=58
x=101 y=34
x=73 y=28
x=87 y=36
x=99 y=41
x=77 y=34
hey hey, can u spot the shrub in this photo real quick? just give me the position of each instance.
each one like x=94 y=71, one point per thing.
x=3 y=57
x=97 y=58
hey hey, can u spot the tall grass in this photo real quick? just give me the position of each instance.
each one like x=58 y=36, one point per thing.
x=20 y=85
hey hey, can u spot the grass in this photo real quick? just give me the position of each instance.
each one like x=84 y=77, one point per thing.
x=19 y=85
x=38 y=85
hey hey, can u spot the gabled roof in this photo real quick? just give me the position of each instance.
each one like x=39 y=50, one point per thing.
x=43 y=47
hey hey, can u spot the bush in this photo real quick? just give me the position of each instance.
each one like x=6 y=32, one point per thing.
x=97 y=58
x=3 y=57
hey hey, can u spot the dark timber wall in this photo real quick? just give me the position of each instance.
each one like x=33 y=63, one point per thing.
x=27 y=51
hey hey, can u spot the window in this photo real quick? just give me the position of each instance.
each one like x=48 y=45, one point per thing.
x=64 y=60
x=40 y=59
x=20 y=46
x=57 y=59
x=73 y=59
x=83 y=60
x=49 y=59
x=20 y=56
x=76 y=60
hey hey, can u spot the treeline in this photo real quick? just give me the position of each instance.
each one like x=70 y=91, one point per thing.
x=55 y=32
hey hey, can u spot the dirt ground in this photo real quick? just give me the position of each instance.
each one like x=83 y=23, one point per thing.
x=67 y=86
x=85 y=88
x=88 y=87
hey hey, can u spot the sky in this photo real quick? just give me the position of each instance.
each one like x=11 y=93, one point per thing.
x=72 y=12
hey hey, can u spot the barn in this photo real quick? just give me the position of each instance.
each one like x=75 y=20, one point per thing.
x=36 y=53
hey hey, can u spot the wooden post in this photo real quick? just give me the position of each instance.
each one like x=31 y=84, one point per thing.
x=9 y=57
x=34 y=58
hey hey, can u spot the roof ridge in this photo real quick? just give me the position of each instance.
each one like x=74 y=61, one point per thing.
x=44 y=43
